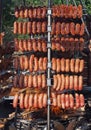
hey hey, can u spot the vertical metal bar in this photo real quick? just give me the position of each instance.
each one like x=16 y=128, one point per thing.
x=49 y=69
x=67 y=2
x=82 y=21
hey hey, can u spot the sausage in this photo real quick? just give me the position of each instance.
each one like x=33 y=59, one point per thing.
x=15 y=100
x=15 y=27
x=59 y=101
x=70 y=11
x=38 y=26
x=16 y=41
x=63 y=101
x=29 y=27
x=31 y=99
x=40 y=100
x=80 y=82
x=67 y=81
x=41 y=64
x=17 y=12
x=30 y=81
x=71 y=82
x=81 y=66
x=26 y=101
x=44 y=27
x=15 y=81
x=54 y=99
x=34 y=44
x=74 y=12
x=67 y=101
x=82 y=100
x=39 y=44
x=62 y=64
x=44 y=63
x=67 y=28
x=39 y=78
x=26 y=79
x=77 y=61
x=39 y=13
x=21 y=81
x=36 y=67
x=24 y=29
x=43 y=13
x=77 y=98
x=79 y=11
x=31 y=60
x=26 y=63
x=35 y=82
x=26 y=13
x=53 y=28
x=58 y=26
x=25 y=46
x=72 y=65
x=54 y=64
x=59 y=82
x=63 y=82
x=44 y=100
x=34 y=27
x=82 y=29
x=30 y=47
x=44 y=46
x=77 y=29
x=30 y=13
x=43 y=81
x=58 y=65
x=62 y=28
x=20 y=47
x=21 y=101
x=16 y=63
x=72 y=28
x=67 y=65
x=21 y=12
x=34 y=12
x=35 y=105
x=20 y=25
x=21 y=60
x=71 y=100
x=76 y=82
x=55 y=84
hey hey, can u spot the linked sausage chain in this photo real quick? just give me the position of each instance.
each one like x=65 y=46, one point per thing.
x=60 y=82
x=64 y=82
x=31 y=45
x=62 y=11
x=67 y=28
x=65 y=11
x=30 y=27
x=30 y=12
x=34 y=64
x=41 y=27
x=64 y=101
x=58 y=44
x=31 y=81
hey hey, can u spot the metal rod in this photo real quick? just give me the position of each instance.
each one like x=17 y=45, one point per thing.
x=82 y=21
x=67 y=2
x=49 y=68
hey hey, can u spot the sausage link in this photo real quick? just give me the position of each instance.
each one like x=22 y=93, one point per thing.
x=59 y=82
x=21 y=101
x=15 y=100
x=26 y=101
